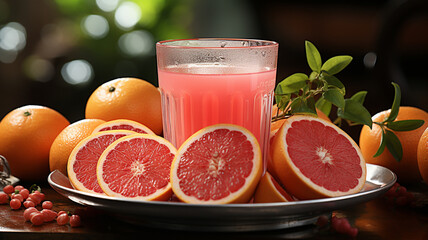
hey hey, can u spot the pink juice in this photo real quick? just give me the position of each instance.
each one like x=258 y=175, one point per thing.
x=196 y=96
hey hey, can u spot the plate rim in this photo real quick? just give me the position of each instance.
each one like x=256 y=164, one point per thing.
x=235 y=205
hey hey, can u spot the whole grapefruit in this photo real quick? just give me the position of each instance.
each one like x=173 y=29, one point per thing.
x=407 y=169
x=127 y=98
x=26 y=135
x=422 y=156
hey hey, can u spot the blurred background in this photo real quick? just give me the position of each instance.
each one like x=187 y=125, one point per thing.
x=57 y=52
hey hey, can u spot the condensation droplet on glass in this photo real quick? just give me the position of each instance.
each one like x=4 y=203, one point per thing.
x=176 y=63
x=223 y=44
x=221 y=58
x=244 y=43
x=263 y=53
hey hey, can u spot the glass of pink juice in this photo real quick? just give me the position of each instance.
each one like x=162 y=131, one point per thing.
x=209 y=81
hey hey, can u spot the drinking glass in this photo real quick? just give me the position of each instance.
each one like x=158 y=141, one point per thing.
x=208 y=81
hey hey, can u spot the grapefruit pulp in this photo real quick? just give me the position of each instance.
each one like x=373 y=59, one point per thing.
x=137 y=166
x=314 y=158
x=82 y=163
x=123 y=124
x=218 y=164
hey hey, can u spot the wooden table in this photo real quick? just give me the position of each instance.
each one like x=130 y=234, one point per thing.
x=375 y=220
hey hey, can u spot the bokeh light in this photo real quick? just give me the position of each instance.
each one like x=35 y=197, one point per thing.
x=38 y=69
x=127 y=15
x=107 y=5
x=13 y=38
x=77 y=72
x=95 y=26
x=137 y=43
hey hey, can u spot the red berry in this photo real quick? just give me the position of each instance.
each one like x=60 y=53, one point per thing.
x=8 y=189
x=18 y=188
x=48 y=215
x=35 y=198
x=322 y=220
x=28 y=204
x=28 y=212
x=15 y=204
x=41 y=195
x=4 y=198
x=17 y=196
x=47 y=205
x=75 y=221
x=24 y=193
x=401 y=191
x=37 y=219
x=62 y=212
x=62 y=219
x=353 y=232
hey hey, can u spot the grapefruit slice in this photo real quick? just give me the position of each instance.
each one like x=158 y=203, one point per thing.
x=123 y=124
x=314 y=158
x=269 y=190
x=218 y=164
x=137 y=166
x=82 y=163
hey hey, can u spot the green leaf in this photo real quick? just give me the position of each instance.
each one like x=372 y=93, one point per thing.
x=393 y=145
x=359 y=96
x=335 y=82
x=323 y=105
x=336 y=64
x=298 y=106
x=405 y=125
x=313 y=76
x=313 y=57
x=293 y=83
x=381 y=146
x=281 y=99
x=334 y=96
x=395 y=104
x=355 y=112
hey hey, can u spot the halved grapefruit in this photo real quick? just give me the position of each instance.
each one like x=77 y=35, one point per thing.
x=314 y=158
x=82 y=162
x=269 y=190
x=218 y=164
x=137 y=166
x=123 y=124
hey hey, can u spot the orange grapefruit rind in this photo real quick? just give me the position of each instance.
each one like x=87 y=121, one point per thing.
x=72 y=159
x=161 y=194
x=268 y=190
x=293 y=179
x=244 y=194
x=128 y=122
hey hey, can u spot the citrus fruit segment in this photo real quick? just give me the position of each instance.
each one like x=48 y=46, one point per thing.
x=218 y=164
x=138 y=167
x=269 y=190
x=123 y=124
x=314 y=158
x=82 y=163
